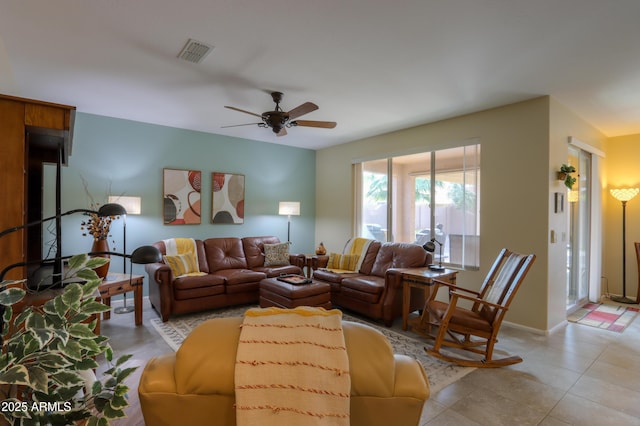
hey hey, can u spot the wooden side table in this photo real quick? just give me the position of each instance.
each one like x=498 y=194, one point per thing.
x=421 y=278
x=39 y=299
x=118 y=283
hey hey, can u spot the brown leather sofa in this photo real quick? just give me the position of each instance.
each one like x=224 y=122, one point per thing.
x=234 y=268
x=376 y=289
x=195 y=386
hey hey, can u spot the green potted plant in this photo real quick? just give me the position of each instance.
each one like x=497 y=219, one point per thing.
x=565 y=175
x=49 y=355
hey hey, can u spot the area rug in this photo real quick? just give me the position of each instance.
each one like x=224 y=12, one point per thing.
x=440 y=373
x=604 y=316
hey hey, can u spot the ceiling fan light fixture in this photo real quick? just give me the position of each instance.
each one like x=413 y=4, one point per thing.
x=278 y=119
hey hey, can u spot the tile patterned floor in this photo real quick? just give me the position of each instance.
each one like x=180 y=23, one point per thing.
x=578 y=375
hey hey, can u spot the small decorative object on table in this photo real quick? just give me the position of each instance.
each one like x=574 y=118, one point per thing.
x=294 y=279
x=321 y=250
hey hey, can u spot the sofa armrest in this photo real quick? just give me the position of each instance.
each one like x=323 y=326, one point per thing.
x=410 y=378
x=160 y=294
x=298 y=260
x=159 y=272
x=159 y=375
x=393 y=278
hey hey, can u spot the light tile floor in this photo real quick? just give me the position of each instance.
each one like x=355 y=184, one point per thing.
x=578 y=375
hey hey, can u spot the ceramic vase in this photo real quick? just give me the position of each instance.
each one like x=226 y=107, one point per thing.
x=321 y=250
x=101 y=245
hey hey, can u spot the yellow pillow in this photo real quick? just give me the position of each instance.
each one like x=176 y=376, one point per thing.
x=182 y=264
x=346 y=262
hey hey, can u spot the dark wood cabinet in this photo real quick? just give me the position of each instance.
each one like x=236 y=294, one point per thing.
x=32 y=133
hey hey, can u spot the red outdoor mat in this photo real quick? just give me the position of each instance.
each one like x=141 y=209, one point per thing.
x=607 y=317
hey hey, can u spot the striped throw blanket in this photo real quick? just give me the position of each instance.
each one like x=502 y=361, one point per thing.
x=176 y=246
x=182 y=256
x=292 y=368
x=356 y=248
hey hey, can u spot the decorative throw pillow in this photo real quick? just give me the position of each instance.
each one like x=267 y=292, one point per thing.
x=346 y=262
x=182 y=264
x=276 y=254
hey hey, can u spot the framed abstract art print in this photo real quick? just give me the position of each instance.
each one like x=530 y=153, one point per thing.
x=227 y=198
x=181 y=196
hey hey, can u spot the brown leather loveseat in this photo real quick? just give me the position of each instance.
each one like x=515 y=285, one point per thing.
x=375 y=290
x=232 y=267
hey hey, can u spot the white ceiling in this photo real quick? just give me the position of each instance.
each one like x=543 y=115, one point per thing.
x=371 y=65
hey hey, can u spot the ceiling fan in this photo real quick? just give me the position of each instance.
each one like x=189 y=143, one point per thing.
x=278 y=120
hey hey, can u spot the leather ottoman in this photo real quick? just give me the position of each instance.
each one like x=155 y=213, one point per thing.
x=283 y=295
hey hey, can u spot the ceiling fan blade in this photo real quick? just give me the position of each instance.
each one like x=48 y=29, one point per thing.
x=303 y=109
x=311 y=123
x=238 y=125
x=241 y=110
x=282 y=132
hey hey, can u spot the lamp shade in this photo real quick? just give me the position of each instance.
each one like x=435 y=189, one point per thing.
x=289 y=208
x=429 y=246
x=146 y=254
x=624 y=194
x=111 y=209
x=132 y=205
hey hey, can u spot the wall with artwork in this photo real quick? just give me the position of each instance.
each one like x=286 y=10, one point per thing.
x=192 y=184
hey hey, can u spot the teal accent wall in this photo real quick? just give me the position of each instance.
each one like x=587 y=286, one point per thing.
x=124 y=157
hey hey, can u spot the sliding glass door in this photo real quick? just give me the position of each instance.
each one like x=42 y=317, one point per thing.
x=579 y=242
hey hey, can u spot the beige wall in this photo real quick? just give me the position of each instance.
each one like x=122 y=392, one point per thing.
x=516 y=191
x=622 y=170
x=563 y=124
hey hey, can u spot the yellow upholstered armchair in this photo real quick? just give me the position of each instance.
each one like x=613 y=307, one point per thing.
x=196 y=385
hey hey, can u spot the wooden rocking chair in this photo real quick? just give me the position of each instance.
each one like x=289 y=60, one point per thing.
x=483 y=319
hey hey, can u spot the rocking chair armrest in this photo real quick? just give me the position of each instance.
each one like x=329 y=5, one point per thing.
x=453 y=287
x=458 y=295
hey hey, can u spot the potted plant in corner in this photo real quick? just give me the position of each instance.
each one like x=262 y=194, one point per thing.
x=49 y=355
x=565 y=175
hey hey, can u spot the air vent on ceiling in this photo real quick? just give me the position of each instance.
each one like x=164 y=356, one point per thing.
x=195 y=51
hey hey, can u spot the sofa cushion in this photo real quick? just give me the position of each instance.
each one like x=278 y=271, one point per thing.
x=193 y=287
x=365 y=283
x=345 y=262
x=234 y=277
x=182 y=264
x=191 y=282
x=225 y=253
x=276 y=254
x=331 y=277
x=398 y=255
x=275 y=271
x=254 y=249
x=370 y=257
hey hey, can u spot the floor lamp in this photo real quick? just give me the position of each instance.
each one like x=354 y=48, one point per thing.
x=132 y=205
x=289 y=208
x=624 y=195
